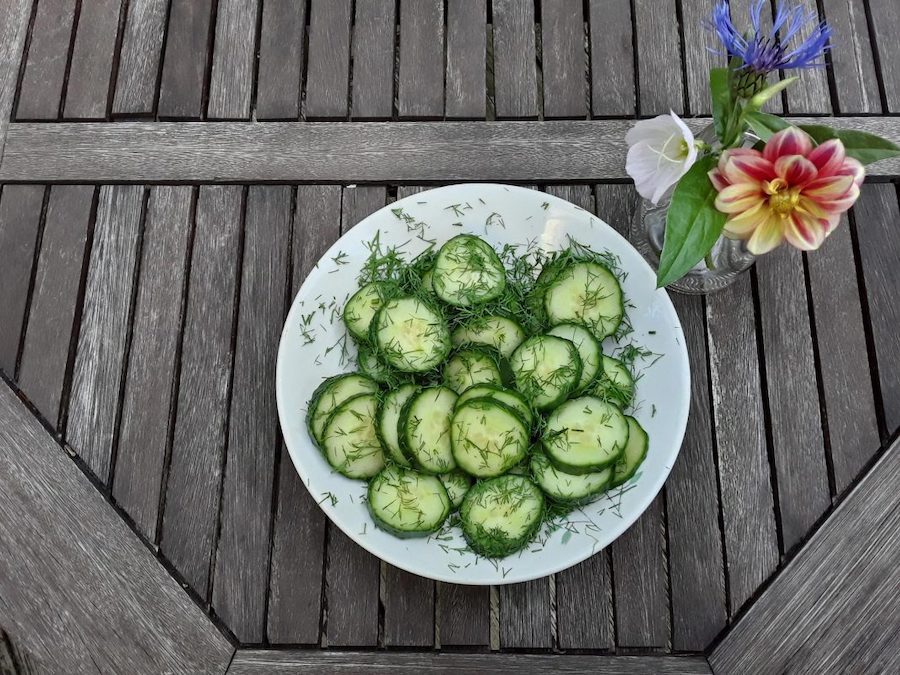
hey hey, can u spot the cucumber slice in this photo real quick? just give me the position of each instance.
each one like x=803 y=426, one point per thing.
x=567 y=488
x=588 y=349
x=457 y=484
x=487 y=437
x=372 y=366
x=499 y=332
x=407 y=503
x=546 y=369
x=427 y=283
x=363 y=305
x=584 y=435
x=635 y=453
x=329 y=395
x=501 y=515
x=469 y=367
x=509 y=397
x=468 y=272
x=350 y=442
x=410 y=335
x=586 y=293
x=614 y=383
x=424 y=429
x=389 y=416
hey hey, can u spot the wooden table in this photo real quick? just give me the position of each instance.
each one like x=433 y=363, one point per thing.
x=165 y=191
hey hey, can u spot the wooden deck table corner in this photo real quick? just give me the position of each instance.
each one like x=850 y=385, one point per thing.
x=170 y=170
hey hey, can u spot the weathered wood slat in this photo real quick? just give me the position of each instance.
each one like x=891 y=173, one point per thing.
x=852 y=424
x=466 y=59
x=810 y=95
x=13 y=31
x=328 y=59
x=352 y=574
x=298 y=538
x=373 y=60
x=525 y=615
x=102 y=339
x=87 y=91
x=564 y=59
x=421 y=86
x=751 y=547
x=255 y=662
x=658 y=50
x=885 y=18
x=852 y=63
x=20 y=217
x=554 y=151
x=195 y=469
x=45 y=66
x=835 y=607
x=794 y=420
x=149 y=382
x=877 y=220
x=463 y=615
x=80 y=592
x=231 y=83
x=281 y=58
x=515 y=65
x=612 y=58
x=696 y=568
x=242 y=556
x=140 y=58
x=183 y=83
x=45 y=353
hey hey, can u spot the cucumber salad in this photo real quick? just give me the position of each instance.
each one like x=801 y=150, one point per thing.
x=483 y=397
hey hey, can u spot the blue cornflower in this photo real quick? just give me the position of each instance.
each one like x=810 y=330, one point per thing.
x=762 y=52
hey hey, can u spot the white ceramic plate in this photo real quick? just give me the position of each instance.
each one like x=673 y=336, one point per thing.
x=311 y=350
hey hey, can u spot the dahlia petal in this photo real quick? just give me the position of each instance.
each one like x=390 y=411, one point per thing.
x=741 y=225
x=812 y=207
x=852 y=167
x=842 y=203
x=827 y=157
x=795 y=169
x=738 y=198
x=766 y=236
x=736 y=152
x=830 y=187
x=789 y=141
x=804 y=231
x=748 y=169
x=831 y=222
x=717 y=179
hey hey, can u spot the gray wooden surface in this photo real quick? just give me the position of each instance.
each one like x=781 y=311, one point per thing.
x=140 y=58
x=13 y=33
x=91 y=63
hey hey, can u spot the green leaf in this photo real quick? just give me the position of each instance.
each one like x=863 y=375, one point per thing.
x=865 y=147
x=692 y=223
x=763 y=124
x=759 y=98
x=722 y=103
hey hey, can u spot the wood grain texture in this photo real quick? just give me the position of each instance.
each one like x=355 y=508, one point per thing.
x=564 y=59
x=150 y=379
x=140 y=58
x=298 y=538
x=231 y=82
x=515 y=66
x=810 y=95
x=102 y=339
x=54 y=300
x=852 y=62
x=612 y=58
x=658 y=55
x=463 y=615
x=13 y=32
x=281 y=58
x=352 y=573
x=525 y=615
x=421 y=76
x=255 y=662
x=195 y=471
x=242 y=556
x=87 y=91
x=45 y=65
x=696 y=568
x=586 y=151
x=751 y=547
x=885 y=17
x=466 y=59
x=328 y=59
x=188 y=36
x=79 y=592
x=794 y=420
x=849 y=405
x=374 y=35
x=20 y=216
x=834 y=607
x=877 y=220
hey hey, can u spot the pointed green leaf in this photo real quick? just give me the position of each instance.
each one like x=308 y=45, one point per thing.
x=722 y=103
x=759 y=99
x=763 y=124
x=865 y=147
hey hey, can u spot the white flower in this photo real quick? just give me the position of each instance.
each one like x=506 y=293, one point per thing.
x=660 y=152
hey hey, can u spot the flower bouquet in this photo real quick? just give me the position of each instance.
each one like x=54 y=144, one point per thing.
x=758 y=179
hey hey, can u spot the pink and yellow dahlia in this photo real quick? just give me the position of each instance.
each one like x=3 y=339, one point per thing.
x=791 y=190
